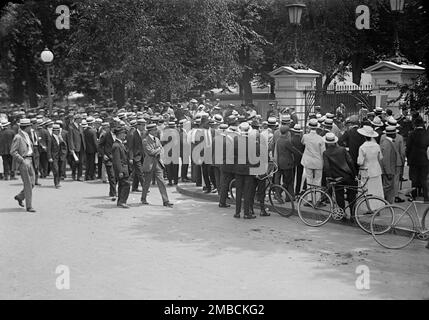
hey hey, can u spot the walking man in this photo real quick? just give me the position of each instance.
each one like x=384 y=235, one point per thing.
x=153 y=165
x=57 y=154
x=22 y=152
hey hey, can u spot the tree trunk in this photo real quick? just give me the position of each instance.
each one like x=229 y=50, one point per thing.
x=357 y=67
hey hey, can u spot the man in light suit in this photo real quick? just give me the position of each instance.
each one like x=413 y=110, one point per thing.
x=388 y=164
x=153 y=165
x=22 y=152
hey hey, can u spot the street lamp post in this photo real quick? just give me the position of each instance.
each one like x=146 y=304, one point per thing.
x=295 y=14
x=397 y=7
x=47 y=57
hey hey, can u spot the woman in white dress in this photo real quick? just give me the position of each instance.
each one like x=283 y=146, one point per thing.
x=369 y=161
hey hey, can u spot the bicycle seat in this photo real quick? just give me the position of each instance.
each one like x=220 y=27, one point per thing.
x=407 y=192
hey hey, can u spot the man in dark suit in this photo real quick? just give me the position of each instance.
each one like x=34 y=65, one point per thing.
x=352 y=139
x=185 y=150
x=76 y=144
x=45 y=143
x=296 y=138
x=65 y=135
x=153 y=165
x=128 y=145
x=337 y=163
x=244 y=182
x=284 y=155
x=6 y=137
x=99 y=129
x=90 y=148
x=135 y=149
x=57 y=154
x=416 y=152
x=120 y=167
x=34 y=136
x=105 y=149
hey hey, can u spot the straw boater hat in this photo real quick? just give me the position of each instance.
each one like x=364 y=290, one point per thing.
x=330 y=116
x=330 y=138
x=296 y=129
x=368 y=131
x=141 y=121
x=24 y=122
x=286 y=119
x=218 y=118
x=182 y=122
x=223 y=126
x=151 y=126
x=272 y=122
x=328 y=123
x=377 y=122
x=313 y=124
x=4 y=123
x=84 y=124
x=172 y=124
x=378 y=110
x=391 y=130
x=392 y=122
x=244 y=128
x=90 y=120
x=133 y=123
x=56 y=127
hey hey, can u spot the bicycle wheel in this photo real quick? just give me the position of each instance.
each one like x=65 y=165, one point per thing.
x=232 y=189
x=315 y=207
x=281 y=201
x=392 y=227
x=365 y=208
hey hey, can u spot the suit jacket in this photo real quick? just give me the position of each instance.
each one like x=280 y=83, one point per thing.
x=353 y=140
x=135 y=146
x=285 y=153
x=65 y=136
x=20 y=148
x=152 y=149
x=119 y=159
x=400 y=149
x=313 y=152
x=58 y=151
x=296 y=142
x=6 y=137
x=91 y=142
x=388 y=163
x=105 y=146
x=417 y=144
x=44 y=140
x=76 y=139
x=337 y=162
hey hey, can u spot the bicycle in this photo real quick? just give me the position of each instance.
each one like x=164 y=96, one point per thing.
x=395 y=227
x=323 y=200
x=280 y=200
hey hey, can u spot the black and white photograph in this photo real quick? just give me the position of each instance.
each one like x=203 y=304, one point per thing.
x=241 y=151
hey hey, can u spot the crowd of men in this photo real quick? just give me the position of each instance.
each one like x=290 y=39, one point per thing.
x=125 y=148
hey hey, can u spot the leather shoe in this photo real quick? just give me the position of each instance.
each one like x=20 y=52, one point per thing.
x=214 y=190
x=123 y=206
x=399 y=200
x=249 y=216
x=144 y=202
x=237 y=215
x=30 y=210
x=19 y=201
x=113 y=199
x=168 y=204
x=225 y=205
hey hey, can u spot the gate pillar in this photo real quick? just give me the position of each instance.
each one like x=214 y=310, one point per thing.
x=290 y=84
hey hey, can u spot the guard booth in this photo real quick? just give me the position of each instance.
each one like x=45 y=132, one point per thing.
x=291 y=87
